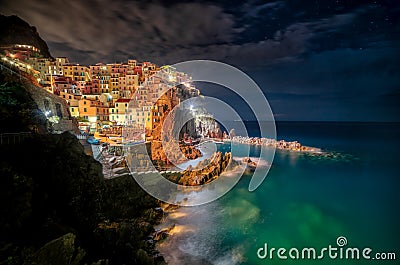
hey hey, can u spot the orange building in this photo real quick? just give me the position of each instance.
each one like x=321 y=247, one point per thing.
x=93 y=111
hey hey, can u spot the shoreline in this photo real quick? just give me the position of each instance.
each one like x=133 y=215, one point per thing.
x=114 y=166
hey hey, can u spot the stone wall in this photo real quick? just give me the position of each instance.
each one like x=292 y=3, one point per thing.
x=56 y=105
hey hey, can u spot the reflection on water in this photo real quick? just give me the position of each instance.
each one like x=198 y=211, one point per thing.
x=306 y=200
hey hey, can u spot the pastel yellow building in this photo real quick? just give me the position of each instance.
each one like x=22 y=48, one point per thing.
x=119 y=113
x=76 y=72
x=74 y=110
x=114 y=81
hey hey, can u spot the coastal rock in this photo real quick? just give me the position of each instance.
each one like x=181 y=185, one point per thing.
x=170 y=207
x=60 y=251
x=158 y=151
x=206 y=170
x=281 y=144
x=143 y=258
x=162 y=234
x=190 y=152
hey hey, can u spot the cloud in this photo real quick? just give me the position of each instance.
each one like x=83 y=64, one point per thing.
x=92 y=31
x=126 y=27
x=163 y=34
x=253 y=10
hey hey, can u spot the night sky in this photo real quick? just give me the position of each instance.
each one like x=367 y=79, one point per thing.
x=314 y=60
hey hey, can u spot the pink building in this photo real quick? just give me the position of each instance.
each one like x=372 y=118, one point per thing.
x=95 y=86
x=86 y=88
x=61 y=83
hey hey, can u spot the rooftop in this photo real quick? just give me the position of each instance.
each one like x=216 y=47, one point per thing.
x=123 y=100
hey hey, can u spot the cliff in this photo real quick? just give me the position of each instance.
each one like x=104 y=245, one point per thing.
x=205 y=171
x=14 y=30
x=55 y=205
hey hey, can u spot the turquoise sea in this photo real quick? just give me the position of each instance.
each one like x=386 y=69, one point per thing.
x=352 y=190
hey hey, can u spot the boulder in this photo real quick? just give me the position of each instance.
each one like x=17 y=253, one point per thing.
x=62 y=250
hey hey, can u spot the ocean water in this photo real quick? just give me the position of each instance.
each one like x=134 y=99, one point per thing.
x=352 y=190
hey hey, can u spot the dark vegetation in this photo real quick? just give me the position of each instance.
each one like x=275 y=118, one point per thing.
x=55 y=205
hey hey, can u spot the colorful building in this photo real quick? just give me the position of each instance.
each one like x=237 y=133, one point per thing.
x=76 y=72
x=119 y=113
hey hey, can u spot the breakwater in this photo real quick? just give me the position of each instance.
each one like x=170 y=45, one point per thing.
x=278 y=144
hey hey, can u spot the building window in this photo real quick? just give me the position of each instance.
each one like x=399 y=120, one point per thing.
x=84 y=110
x=58 y=110
x=72 y=110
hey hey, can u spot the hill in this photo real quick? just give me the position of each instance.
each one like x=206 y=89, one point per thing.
x=55 y=205
x=14 y=30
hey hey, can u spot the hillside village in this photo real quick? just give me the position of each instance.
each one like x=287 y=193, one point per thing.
x=98 y=95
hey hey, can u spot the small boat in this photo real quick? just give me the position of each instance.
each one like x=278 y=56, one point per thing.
x=92 y=140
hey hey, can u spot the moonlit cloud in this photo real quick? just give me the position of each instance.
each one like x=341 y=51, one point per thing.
x=122 y=28
x=88 y=31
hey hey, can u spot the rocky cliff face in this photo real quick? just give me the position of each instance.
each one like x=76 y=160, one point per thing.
x=207 y=170
x=14 y=30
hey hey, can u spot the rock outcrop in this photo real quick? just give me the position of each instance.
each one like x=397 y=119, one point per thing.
x=60 y=251
x=14 y=30
x=175 y=154
x=207 y=170
x=190 y=152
